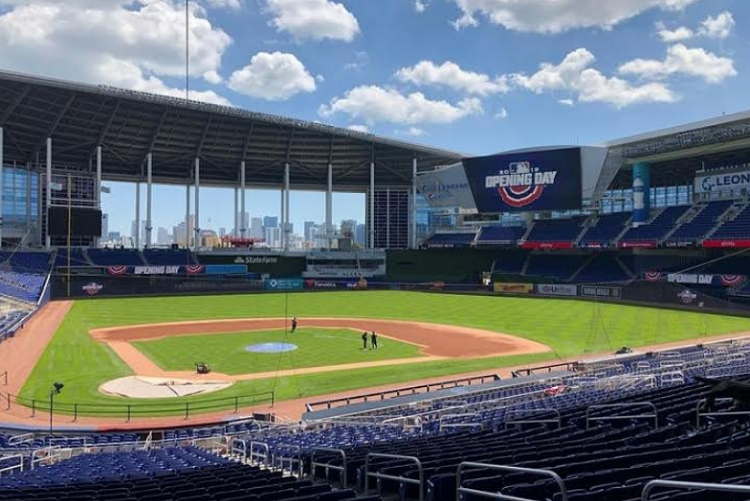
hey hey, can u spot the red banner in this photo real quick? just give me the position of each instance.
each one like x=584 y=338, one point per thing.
x=737 y=244
x=640 y=244
x=547 y=245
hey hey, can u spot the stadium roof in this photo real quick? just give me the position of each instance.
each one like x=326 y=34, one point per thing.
x=129 y=124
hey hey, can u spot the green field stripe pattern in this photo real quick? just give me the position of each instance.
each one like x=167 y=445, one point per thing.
x=226 y=353
x=570 y=327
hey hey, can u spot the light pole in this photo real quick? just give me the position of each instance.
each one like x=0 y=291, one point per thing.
x=56 y=389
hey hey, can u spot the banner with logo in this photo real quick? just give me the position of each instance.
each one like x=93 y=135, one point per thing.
x=285 y=284
x=446 y=187
x=531 y=181
x=557 y=290
x=723 y=181
x=603 y=291
x=315 y=284
x=695 y=279
x=511 y=288
x=726 y=244
x=191 y=269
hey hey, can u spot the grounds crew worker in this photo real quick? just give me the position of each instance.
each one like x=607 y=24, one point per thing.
x=364 y=340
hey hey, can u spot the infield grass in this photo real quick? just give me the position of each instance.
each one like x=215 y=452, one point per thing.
x=569 y=327
x=226 y=353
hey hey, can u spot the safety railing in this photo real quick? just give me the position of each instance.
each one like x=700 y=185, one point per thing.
x=443 y=425
x=284 y=457
x=256 y=455
x=460 y=489
x=719 y=413
x=45 y=455
x=330 y=466
x=238 y=448
x=525 y=416
x=691 y=486
x=401 y=479
x=12 y=467
x=19 y=439
x=622 y=417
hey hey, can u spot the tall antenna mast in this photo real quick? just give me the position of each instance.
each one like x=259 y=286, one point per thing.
x=187 y=49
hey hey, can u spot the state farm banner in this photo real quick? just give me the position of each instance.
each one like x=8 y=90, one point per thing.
x=723 y=181
x=446 y=187
x=557 y=290
x=695 y=279
x=529 y=181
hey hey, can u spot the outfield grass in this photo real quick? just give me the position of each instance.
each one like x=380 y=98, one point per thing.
x=569 y=327
x=226 y=352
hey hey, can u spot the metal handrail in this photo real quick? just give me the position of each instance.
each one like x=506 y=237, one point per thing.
x=18 y=466
x=53 y=452
x=254 y=454
x=460 y=425
x=654 y=415
x=295 y=456
x=19 y=439
x=329 y=466
x=701 y=404
x=557 y=421
x=672 y=484
x=512 y=469
x=239 y=451
x=415 y=460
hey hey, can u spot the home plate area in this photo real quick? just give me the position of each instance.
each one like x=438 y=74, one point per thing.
x=158 y=387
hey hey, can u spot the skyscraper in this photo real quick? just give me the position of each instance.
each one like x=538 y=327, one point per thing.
x=271 y=222
x=309 y=230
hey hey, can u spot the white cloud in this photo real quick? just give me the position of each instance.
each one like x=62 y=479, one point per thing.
x=272 y=76
x=377 y=104
x=695 y=62
x=421 y=5
x=717 y=27
x=227 y=4
x=502 y=114
x=575 y=75
x=566 y=102
x=361 y=58
x=313 y=19
x=555 y=16
x=411 y=131
x=451 y=75
x=212 y=77
x=116 y=42
x=359 y=128
x=677 y=35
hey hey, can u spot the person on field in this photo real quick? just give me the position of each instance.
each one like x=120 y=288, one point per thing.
x=374 y=341
x=364 y=340
x=294 y=324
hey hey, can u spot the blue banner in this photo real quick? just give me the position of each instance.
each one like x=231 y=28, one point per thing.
x=530 y=181
x=284 y=284
x=226 y=269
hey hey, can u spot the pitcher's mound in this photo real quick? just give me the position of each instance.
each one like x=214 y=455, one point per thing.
x=159 y=387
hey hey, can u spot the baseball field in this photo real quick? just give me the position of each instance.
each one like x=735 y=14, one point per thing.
x=422 y=335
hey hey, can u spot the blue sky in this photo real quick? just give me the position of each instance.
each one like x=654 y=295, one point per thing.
x=460 y=74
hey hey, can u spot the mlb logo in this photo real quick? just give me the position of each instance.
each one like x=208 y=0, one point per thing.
x=520 y=167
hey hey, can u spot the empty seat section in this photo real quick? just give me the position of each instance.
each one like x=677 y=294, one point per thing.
x=556 y=230
x=500 y=235
x=658 y=228
x=702 y=223
x=737 y=228
x=606 y=229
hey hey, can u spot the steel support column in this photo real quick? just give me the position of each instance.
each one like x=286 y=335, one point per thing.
x=243 y=222
x=98 y=185
x=286 y=206
x=48 y=188
x=138 y=215
x=329 y=207
x=149 y=180
x=197 y=242
x=371 y=210
x=188 y=229
x=235 y=228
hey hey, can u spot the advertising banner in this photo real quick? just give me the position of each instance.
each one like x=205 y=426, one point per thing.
x=602 y=291
x=191 y=269
x=446 y=187
x=557 y=290
x=530 y=181
x=641 y=193
x=285 y=284
x=315 y=284
x=141 y=285
x=730 y=244
x=695 y=279
x=723 y=181
x=547 y=245
x=511 y=288
x=638 y=244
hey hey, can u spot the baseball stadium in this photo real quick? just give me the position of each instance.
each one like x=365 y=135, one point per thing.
x=575 y=325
